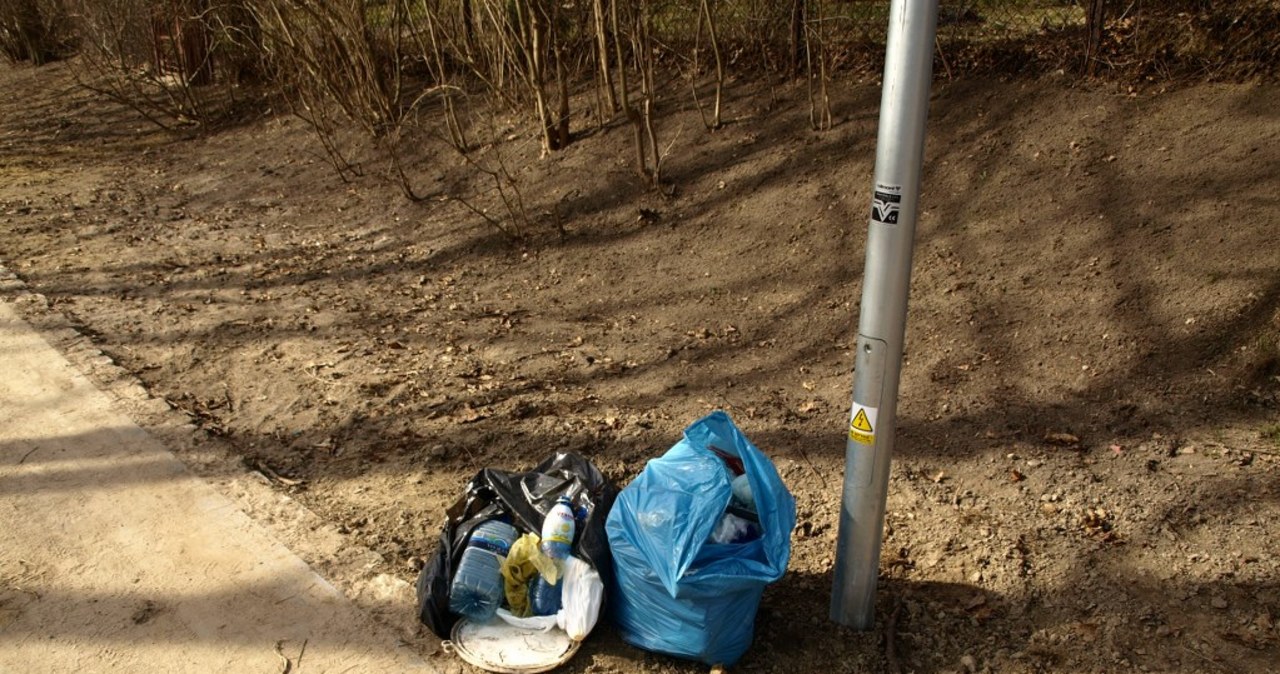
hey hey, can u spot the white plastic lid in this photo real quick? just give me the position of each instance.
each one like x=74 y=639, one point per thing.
x=496 y=646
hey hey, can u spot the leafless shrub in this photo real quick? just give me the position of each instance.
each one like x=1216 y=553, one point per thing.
x=176 y=62
x=707 y=13
x=34 y=30
x=1191 y=38
x=385 y=83
x=123 y=57
x=818 y=65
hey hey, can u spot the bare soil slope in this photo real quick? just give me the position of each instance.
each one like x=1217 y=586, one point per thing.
x=1087 y=476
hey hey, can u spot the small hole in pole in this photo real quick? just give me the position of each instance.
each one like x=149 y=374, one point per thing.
x=866 y=347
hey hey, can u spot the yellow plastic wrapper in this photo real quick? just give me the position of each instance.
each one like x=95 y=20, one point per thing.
x=524 y=563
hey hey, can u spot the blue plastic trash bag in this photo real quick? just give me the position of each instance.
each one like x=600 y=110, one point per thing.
x=676 y=591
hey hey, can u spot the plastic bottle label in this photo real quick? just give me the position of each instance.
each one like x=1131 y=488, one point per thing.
x=562 y=533
x=497 y=546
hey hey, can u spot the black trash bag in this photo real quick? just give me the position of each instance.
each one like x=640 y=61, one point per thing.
x=525 y=499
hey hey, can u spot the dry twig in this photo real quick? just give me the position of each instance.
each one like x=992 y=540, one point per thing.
x=890 y=648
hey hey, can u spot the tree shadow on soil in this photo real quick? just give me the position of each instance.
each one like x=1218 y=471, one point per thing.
x=1168 y=387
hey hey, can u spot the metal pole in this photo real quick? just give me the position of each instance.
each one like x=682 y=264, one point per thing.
x=904 y=105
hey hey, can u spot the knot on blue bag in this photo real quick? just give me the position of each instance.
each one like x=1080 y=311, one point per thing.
x=679 y=592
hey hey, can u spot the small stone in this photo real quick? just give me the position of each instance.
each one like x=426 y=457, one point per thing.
x=1218 y=603
x=969 y=663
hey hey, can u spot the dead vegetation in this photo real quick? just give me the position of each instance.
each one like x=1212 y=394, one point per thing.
x=381 y=83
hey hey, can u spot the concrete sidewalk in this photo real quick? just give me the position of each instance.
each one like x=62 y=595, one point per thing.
x=114 y=558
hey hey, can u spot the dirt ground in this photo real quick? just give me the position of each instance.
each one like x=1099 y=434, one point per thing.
x=1086 y=478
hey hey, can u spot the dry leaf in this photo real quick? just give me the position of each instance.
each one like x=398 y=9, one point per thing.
x=470 y=415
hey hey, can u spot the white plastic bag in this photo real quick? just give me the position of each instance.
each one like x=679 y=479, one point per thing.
x=580 y=599
x=539 y=623
x=581 y=593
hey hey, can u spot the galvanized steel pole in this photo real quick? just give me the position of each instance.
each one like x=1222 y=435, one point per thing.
x=882 y=321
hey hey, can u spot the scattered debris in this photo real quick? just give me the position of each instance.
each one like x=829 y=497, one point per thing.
x=255 y=463
x=288 y=664
x=1063 y=439
x=145 y=613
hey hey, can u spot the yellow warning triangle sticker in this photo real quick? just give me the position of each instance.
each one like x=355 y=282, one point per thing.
x=861 y=422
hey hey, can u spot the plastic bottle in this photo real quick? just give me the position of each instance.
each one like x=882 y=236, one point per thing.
x=477 y=588
x=557 y=530
x=544 y=597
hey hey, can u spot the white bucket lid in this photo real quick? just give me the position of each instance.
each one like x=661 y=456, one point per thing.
x=496 y=646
